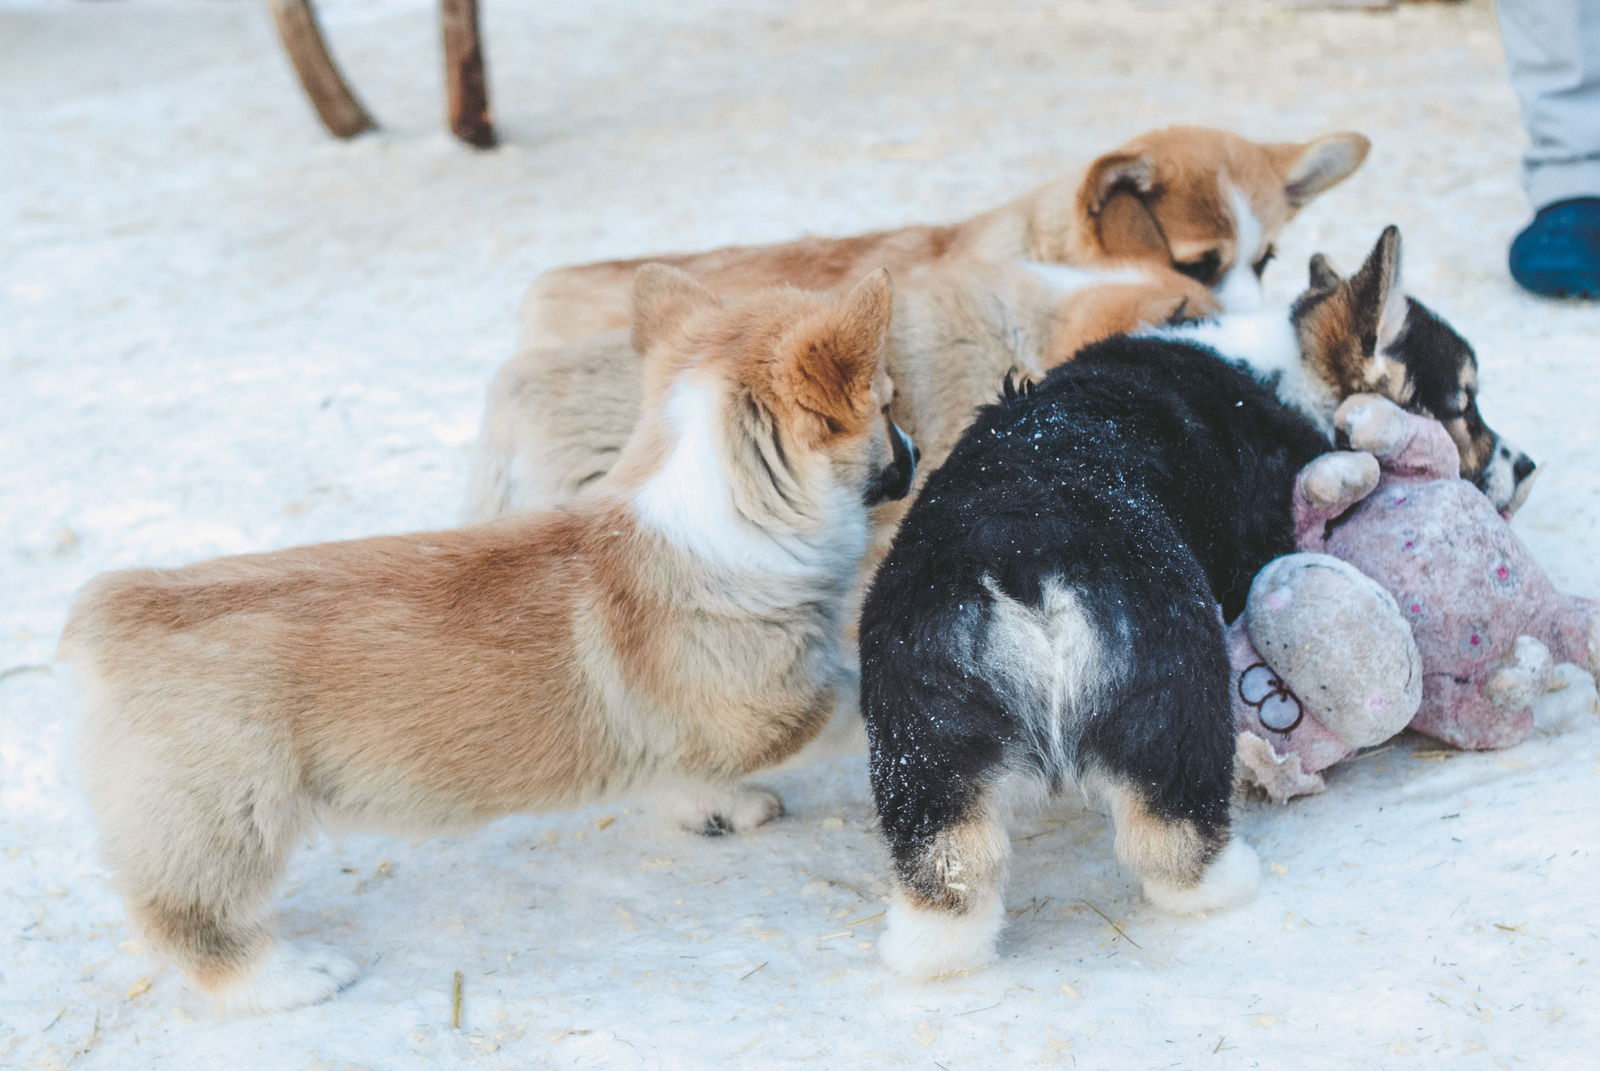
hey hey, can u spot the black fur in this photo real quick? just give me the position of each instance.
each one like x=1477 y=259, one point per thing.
x=1154 y=481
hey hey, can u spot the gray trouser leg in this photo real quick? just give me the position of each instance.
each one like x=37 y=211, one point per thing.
x=1553 y=53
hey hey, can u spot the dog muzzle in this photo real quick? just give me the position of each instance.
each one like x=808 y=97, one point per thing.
x=895 y=479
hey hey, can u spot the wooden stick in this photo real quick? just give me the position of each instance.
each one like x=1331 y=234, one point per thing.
x=455 y=1003
x=467 y=89
x=338 y=108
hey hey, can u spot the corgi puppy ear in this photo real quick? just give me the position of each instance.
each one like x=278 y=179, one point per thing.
x=833 y=365
x=1318 y=164
x=663 y=298
x=1380 y=301
x=1324 y=276
x=1128 y=229
x=1133 y=172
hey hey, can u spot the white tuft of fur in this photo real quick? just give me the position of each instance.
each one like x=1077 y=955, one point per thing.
x=690 y=502
x=1240 y=289
x=923 y=942
x=1230 y=881
x=1266 y=345
x=292 y=975
x=1054 y=663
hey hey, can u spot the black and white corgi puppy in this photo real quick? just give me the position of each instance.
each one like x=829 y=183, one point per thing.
x=1047 y=617
x=1365 y=335
x=1047 y=614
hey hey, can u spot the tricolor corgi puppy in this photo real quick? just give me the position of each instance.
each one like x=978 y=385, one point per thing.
x=1047 y=614
x=1365 y=335
x=672 y=632
x=1047 y=618
x=1204 y=202
x=555 y=423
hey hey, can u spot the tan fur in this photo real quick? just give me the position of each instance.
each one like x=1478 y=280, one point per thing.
x=1344 y=325
x=965 y=864
x=1161 y=198
x=432 y=682
x=554 y=421
x=1170 y=851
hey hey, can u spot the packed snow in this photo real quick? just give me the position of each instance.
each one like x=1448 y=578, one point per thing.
x=222 y=331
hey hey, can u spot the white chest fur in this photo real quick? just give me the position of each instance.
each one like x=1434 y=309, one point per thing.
x=691 y=503
x=1266 y=344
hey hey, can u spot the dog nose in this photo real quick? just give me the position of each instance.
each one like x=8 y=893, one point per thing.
x=1523 y=468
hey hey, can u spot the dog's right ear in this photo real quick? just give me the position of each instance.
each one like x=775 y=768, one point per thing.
x=663 y=297
x=1324 y=276
x=1133 y=172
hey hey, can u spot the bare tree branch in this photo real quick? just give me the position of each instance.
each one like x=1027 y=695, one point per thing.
x=341 y=113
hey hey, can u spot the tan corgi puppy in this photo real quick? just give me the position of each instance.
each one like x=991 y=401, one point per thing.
x=674 y=631
x=1205 y=202
x=555 y=420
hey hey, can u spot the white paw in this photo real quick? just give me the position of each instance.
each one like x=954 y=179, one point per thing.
x=713 y=810
x=1230 y=881
x=292 y=975
x=922 y=942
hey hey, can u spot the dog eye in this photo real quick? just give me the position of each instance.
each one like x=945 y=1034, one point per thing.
x=1266 y=258
x=1204 y=270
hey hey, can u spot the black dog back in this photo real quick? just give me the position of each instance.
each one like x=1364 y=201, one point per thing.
x=1049 y=610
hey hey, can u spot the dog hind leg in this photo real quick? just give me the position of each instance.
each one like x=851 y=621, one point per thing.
x=197 y=831
x=948 y=907
x=1186 y=869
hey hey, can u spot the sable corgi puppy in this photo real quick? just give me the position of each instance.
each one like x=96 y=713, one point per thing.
x=1047 y=617
x=674 y=631
x=1364 y=335
x=554 y=424
x=1204 y=202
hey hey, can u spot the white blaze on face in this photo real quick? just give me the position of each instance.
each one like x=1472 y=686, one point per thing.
x=1240 y=289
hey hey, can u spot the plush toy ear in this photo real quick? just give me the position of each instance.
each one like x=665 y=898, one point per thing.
x=663 y=297
x=1324 y=276
x=1317 y=165
x=1134 y=172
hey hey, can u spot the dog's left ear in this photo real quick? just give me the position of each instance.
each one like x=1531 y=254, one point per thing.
x=1133 y=172
x=1317 y=165
x=1324 y=276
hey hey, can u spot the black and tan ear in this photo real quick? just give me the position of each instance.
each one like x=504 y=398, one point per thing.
x=835 y=363
x=1134 y=173
x=1378 y=297
x=1324 y=276
x=1318 y=165
x=663 y=297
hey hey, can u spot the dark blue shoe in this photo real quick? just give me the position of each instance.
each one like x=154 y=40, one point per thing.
x=1558 y=254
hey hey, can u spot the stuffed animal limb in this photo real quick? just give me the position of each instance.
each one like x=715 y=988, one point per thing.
x=1486 y=619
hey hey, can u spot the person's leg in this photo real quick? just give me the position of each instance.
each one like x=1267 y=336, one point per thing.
x=1553 y=55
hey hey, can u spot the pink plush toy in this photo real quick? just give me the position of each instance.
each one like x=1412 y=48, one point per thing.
x=1457 y=636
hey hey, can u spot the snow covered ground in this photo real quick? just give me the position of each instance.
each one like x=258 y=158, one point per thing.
x=220 y=332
